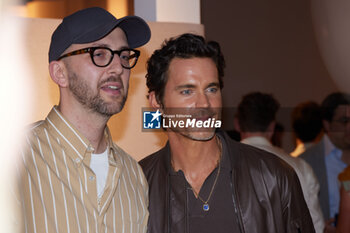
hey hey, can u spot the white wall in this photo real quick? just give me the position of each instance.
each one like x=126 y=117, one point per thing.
x=182 y=11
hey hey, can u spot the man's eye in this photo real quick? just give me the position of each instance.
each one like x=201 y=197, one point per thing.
x=125 y=57
x=186 y=92
x=212 y=89
x=100 y=54
x=344 y=120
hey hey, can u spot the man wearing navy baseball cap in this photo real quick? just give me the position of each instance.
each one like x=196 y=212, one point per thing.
x=74 y=178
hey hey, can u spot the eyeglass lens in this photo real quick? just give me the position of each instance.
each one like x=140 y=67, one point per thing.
x=102 y=57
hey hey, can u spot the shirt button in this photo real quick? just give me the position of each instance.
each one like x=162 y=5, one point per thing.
x=91 y=178
x=77 y=160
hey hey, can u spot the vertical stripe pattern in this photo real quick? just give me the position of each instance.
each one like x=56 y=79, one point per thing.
x=58 y=187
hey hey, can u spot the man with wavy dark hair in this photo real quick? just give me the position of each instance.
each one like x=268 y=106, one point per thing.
x=331 y=155
x=202 y=181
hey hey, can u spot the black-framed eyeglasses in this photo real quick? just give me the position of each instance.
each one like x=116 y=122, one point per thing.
x=103 y=56
x=342 y=120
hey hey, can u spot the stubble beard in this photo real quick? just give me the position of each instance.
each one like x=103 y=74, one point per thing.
x=203 y=134
x=198 y=136
x=94 y=102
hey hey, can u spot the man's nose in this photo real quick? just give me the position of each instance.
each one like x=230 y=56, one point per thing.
x=116 y=66
x=202 y=101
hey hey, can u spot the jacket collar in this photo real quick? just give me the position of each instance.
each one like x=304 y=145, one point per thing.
x=257 y=140
x=329 y=147
x=165 y=152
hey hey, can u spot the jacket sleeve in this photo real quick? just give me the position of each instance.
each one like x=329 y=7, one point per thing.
x=311 y=196
x=295 y=212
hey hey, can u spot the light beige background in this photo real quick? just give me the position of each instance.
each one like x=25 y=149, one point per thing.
x=126 y=127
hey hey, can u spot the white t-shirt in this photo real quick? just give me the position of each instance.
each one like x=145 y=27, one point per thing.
x=99 y=165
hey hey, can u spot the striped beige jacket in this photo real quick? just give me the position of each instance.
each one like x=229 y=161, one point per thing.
x=58 y=188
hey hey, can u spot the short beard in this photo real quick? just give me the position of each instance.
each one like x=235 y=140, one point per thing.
x=95 y=103
x=204 y=134
x=196 y=136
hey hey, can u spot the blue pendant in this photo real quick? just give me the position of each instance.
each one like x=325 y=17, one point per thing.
x=206 y=207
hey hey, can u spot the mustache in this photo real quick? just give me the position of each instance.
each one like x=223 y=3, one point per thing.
x=115 y=79
x=205 y=112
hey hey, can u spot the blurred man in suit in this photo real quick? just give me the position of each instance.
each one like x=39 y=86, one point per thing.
x=331 y=155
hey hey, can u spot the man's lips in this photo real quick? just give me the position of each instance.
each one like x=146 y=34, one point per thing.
x=204 y=115
x=112 y=87
x=202 y=118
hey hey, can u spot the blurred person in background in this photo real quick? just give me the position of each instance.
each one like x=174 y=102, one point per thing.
x=277 y=136
x=307 y=126
x=256 y=120
x=343 y=225
x=15 y=88
x=331 y=155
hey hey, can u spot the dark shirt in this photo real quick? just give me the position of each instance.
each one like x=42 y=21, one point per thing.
x=221 y=217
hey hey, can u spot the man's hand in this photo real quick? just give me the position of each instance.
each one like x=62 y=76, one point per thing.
x=329 y=226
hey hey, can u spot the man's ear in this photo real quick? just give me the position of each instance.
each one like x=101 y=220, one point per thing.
x=58 y=73
x=153 y=100
x=270 y=130
x=271 y=127
x=326 y=125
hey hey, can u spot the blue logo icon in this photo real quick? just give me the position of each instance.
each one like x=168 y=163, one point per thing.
x=151 y=120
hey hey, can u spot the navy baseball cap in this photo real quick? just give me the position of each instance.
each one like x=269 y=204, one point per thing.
x=91 y=24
